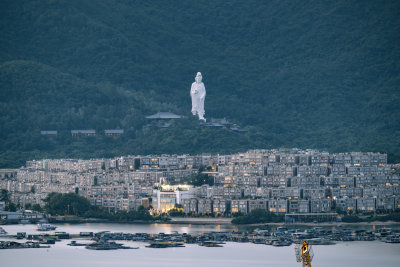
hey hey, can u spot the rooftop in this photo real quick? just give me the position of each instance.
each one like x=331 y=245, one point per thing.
x=48 y=132
x=83 y=131
x=164 y=115
x=114 y=131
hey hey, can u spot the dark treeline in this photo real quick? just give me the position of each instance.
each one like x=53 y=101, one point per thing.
x=310 y=75
x=73 y=204
x=5 y=196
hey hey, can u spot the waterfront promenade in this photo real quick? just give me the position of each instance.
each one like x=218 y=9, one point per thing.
x=188 y=220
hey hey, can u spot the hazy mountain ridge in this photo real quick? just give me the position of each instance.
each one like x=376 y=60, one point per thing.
x=315 y=74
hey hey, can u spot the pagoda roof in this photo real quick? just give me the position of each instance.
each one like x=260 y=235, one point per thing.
x=164 y=116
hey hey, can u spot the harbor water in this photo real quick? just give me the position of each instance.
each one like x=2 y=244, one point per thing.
x=354 y=254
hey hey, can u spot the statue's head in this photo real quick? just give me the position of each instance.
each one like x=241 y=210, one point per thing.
x=198 y=77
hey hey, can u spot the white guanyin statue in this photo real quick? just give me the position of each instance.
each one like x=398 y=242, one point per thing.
x=198 y=94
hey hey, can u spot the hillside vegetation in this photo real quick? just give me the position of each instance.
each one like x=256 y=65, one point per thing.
x=314 y=74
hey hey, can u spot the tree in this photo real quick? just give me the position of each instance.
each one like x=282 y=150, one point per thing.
x=11 y=207
x=201 y=179
x=339 y=210
x=4 y=195
x=177 y=210
x=36 y=207
x=66 y=204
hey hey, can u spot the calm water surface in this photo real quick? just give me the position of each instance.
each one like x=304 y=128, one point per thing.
x=355 y=254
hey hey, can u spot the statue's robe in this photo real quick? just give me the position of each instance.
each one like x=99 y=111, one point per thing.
x=198 y=94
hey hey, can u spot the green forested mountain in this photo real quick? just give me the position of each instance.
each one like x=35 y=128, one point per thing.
x=308 y=74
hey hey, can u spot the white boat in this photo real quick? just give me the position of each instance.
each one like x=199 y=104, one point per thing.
x=2 y=231
x=46 y=227
x=393 y=239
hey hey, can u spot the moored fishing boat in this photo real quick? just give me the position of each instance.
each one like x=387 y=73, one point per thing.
x=46 y=227
x=2 y=231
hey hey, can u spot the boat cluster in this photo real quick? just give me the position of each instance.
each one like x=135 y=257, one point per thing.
x=105 y=245
x=2 y=232
x=48 y=238
x=319 y=236
x=15 y=245
x=281 y=236
x=46 y=227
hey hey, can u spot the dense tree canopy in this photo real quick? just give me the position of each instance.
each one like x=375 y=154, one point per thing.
x=294 y=74
x=5 y=197
x=66 y=204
